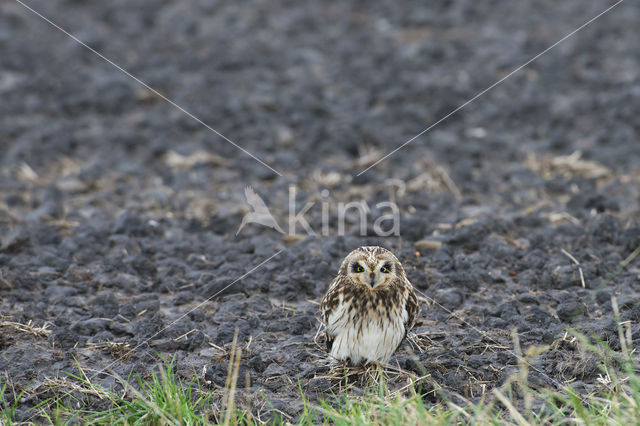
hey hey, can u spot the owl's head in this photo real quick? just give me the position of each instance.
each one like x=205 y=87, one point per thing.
x=371 y=266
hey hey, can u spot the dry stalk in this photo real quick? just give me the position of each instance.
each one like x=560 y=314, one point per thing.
x=232 y=379
x=575 y=261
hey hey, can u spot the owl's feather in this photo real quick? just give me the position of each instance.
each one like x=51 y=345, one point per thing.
x=413 y=309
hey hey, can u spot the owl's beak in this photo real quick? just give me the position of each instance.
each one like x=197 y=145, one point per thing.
x=372 y=279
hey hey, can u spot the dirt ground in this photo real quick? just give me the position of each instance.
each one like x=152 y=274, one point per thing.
x=119 y=212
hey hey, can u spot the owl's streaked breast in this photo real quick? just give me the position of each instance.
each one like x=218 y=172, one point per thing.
x=364 y=333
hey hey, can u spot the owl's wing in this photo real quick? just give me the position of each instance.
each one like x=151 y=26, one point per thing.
x=330 y=302
x=413 y=310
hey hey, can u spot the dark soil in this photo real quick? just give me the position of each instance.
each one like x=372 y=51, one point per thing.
x=112 y=239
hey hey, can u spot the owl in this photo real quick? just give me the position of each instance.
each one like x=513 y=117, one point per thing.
x=369 y=307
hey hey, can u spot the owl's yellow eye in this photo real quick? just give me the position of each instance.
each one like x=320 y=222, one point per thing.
x=357 y=268
x=385 y=269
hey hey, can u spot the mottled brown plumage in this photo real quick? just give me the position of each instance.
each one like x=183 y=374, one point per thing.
x=369 y=307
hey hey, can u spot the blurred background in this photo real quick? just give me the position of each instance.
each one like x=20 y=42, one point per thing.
x=314 y=89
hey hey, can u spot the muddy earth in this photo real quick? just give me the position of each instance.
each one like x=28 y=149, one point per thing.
x=119 y=212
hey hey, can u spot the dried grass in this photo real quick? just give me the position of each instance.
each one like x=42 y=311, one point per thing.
x=29 y=328
x=179 y=161
x=120 y=350
x=568 y=166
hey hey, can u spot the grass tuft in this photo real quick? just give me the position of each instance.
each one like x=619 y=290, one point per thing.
x=7 y=409
x=162 y=400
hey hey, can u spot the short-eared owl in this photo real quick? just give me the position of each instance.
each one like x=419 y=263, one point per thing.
x=369 y=307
